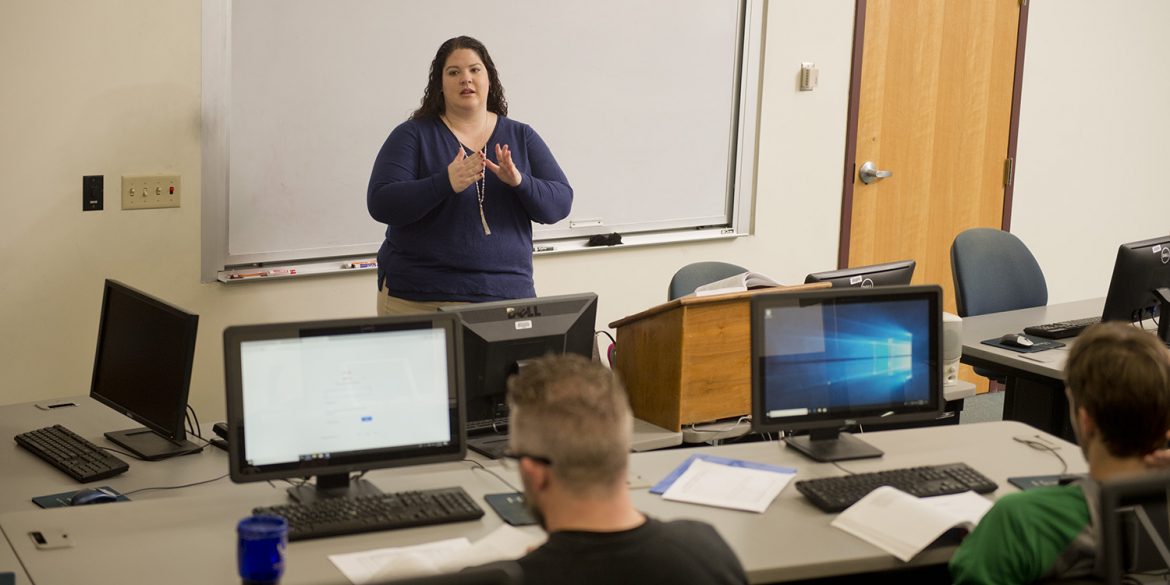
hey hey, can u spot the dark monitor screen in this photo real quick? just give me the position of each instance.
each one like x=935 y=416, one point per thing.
x=1140 y=268
x=328 y=398
x=891 y=273
x=825 y=359
x=142 y=369
x=499 y=337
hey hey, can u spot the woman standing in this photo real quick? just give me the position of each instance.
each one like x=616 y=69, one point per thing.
x=459 y=185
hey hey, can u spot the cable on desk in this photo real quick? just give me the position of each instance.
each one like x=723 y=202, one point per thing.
x=174 y=487
x=838 y=466
x=120 y=452
x=609 y=354
x=479 y=466
x=194 y=430
x=1041 y=444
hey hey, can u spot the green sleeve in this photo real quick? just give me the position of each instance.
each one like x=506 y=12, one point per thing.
x=1021 y=537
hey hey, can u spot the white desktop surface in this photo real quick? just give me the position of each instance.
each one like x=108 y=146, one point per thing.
x=189 y=538
x=994 y=325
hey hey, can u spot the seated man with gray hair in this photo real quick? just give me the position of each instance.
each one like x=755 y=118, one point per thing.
x=570 y=431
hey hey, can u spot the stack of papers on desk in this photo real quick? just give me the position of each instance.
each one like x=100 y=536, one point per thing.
x=903 y=525
x=444 y=556
x=727 y=483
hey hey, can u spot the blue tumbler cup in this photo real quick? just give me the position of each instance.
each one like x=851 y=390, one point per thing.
x=261 y=549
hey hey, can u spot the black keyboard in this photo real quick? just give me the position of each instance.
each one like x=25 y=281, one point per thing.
x=833 y=494
x=1062 y=329
x=71 y=453
x=337 y=516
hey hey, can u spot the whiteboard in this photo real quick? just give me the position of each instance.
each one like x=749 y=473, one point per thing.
x=642 y=102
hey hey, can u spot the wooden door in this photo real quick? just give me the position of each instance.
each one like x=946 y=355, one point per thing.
x=933 y=92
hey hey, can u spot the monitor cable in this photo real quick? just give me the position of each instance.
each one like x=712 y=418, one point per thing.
x=1041 y=444
x=195 y=428
x=174 y=487
x=612 y=350
x=479 y=467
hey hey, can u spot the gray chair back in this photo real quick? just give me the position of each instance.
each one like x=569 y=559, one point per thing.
x=994 y=271
x=696 y=274
x=1133 y=535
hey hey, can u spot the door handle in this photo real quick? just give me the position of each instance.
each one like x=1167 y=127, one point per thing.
x=870 y=173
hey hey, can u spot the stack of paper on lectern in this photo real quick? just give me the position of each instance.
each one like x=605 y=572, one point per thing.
x=726 y=483
x=738 y=283
x=904 y=525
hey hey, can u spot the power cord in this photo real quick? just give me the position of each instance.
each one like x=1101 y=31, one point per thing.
x=1041 y=444
x=175 y=487
x=479 y=467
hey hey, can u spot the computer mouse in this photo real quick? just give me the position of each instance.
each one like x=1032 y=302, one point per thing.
x=92 y=496
x=1016 y=340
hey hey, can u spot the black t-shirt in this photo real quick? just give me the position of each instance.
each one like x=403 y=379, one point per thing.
x=680 y=551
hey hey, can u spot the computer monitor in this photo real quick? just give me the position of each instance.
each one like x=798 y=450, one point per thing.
x=499 y=337
x=826 y=359
x=330 y=398
x=1140 y=269
x=891 y=273
x=142 y=369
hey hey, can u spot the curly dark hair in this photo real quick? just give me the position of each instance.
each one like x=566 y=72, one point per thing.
x=432 y=103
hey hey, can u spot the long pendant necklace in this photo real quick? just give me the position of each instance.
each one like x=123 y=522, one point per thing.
x=479 y=187
x=482 y=182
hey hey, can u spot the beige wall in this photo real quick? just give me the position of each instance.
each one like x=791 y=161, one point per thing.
x=112 y=87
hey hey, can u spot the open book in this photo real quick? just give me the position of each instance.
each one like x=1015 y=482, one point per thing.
x=738 y=283
x=903 y=525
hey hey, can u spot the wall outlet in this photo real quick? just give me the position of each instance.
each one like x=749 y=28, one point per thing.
x=92 y=192
x=150 y=191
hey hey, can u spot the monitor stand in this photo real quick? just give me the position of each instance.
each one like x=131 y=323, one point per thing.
x=151 y=446
x=336 y=485
x=492 y=445
x=832 y=445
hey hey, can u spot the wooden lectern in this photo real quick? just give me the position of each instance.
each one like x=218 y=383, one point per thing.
x=689 y=360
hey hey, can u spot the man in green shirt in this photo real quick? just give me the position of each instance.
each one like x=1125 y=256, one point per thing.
x=1118 y=386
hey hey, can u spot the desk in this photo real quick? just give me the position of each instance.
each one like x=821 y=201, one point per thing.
x=1035 y=389
x=190 y=538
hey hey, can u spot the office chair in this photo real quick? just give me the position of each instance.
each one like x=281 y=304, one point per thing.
x=696 y=274
x=994 y=271
x=499 y=573
x=1133 y=536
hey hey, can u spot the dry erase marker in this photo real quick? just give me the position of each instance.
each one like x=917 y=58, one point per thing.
x=363 y=264
x=240 y=275
x=282 y=272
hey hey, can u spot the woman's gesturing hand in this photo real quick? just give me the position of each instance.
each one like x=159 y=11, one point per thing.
x=506 y=171
x=465 y=170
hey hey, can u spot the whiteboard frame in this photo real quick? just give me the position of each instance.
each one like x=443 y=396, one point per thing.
x=217 y=264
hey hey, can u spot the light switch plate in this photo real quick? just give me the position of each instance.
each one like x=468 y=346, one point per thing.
x=150 y=191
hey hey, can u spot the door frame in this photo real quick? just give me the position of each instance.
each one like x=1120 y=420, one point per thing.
x=850 y=167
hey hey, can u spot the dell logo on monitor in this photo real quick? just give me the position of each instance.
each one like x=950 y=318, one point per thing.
x=1165 y=254
x=523 y=312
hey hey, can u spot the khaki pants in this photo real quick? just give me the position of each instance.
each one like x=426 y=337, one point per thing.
x=388 y=305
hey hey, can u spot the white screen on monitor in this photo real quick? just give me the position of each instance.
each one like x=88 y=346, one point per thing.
x=312 y=397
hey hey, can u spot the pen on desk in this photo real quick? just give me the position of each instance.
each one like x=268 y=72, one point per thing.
x=239 y=275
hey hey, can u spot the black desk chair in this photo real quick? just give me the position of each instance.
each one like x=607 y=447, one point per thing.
x=696 y=274
x=994 y=271
x=1134 y=530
